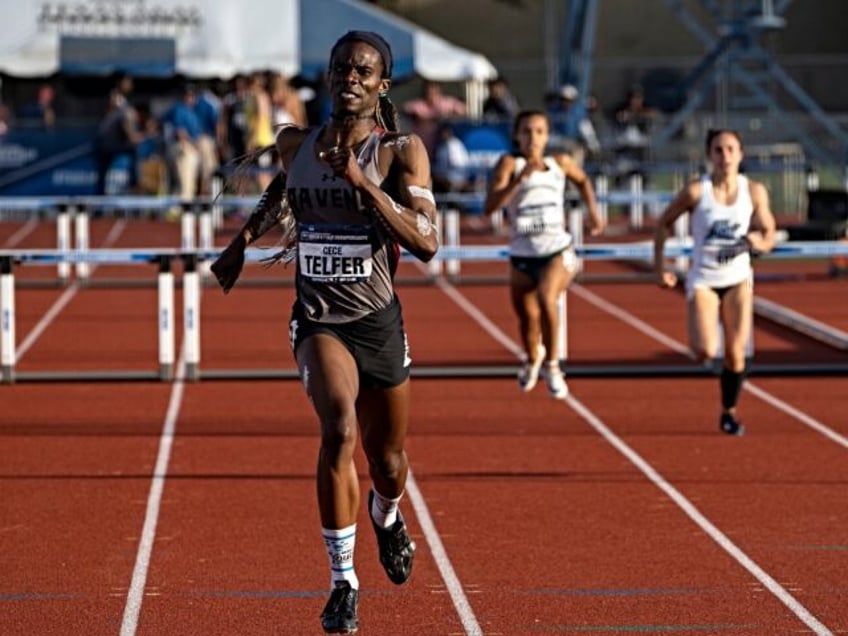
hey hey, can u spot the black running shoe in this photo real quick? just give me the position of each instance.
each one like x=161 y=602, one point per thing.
x=339 y=615
x=731 y=425
x=396 y=548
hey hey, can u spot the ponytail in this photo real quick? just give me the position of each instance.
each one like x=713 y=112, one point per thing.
x=387 y=114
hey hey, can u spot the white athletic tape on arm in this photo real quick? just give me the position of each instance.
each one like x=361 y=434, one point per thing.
x=422 y=193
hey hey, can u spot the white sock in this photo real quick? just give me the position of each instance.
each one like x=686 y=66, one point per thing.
x=384 y=510
x=340 y=544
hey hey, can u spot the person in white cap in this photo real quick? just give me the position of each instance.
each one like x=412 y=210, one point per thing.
x=572 y=131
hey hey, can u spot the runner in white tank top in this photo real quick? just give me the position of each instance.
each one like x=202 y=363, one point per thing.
x=531 y=186
x=721 y=254
x=536 y=214
x=730 y=218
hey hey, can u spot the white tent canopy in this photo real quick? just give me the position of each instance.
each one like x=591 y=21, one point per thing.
x=212 y=38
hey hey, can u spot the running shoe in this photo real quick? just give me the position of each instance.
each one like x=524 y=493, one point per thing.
x=339 y=615
x=396 y=548
x=529 y=373
x=555 y=379
x=731 y=425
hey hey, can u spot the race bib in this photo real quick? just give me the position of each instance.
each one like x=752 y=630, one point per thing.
x=335 y=254
x=539 y=219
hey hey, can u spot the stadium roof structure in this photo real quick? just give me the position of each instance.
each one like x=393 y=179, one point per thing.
x=736 y=63
x=214 y=38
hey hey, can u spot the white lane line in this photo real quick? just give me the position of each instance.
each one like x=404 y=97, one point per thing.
x=799 y=415
x=64 y=299
x=24 y=231
x=48 y=317
x=631 y=320
x=491 y=328
x=705 y=524
x=440 y=555
x=132 y=609
x=684 y=504
x=749 y=386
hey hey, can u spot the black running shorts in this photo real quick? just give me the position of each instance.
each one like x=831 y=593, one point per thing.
x=534 y=266
x=377 y=343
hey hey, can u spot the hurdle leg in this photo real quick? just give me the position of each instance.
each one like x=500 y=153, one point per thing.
x=217 y=208
x=205 y=222
x=435 y=265
x=562 y=310
x=681 y=232
x=191 y=316
x=188 y=227
x=497 y=219
x=7 y=321
x=81 y=230
x=63 y=241
x=637 y=207
x=601 y=191
x=452 y=240
x=166 y=319
x=575 y=228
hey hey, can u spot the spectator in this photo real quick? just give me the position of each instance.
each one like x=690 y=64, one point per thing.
x=207 y=107
x=183 y=131
x=501 y=104
x=118 y=134
x=232 y=124
x=633 y=122
x=572 y=130
x=429 y=110
x=260 y=132
x=451 y=163
x=40 y=111
x=320 y=106
x=286 y=105
x=4 y=119
x=150 y=153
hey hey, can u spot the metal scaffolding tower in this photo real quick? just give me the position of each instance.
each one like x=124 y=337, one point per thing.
x=736 y=69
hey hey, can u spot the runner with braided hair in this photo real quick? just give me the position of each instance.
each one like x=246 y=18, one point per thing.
x=358 y=191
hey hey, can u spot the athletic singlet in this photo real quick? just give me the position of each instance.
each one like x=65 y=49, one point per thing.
x=720 y=256
x=537 y=213
x=345 y=260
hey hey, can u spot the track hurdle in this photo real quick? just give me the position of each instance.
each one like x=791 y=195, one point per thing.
x=165 y=311
x=192 y=310
x=7 y=321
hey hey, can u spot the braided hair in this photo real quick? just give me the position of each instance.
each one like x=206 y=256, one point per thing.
x=387 y=114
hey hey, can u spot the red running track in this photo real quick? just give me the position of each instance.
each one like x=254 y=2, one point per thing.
x=622 y=510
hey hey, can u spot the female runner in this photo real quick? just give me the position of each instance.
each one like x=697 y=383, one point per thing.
x=730 y=219
x=531 y=185
x=358 y=191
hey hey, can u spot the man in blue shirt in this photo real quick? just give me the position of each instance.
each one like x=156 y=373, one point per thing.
x=183 y=130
